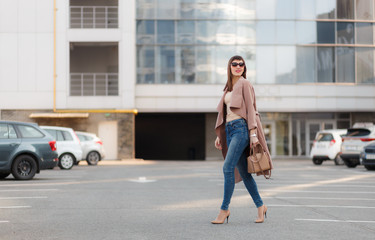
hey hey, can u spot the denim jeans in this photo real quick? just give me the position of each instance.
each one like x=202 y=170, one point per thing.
x=238 y=140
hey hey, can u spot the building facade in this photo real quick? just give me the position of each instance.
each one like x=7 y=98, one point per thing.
x=311 y=63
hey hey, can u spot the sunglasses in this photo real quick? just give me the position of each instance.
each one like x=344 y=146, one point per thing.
x=235 y=64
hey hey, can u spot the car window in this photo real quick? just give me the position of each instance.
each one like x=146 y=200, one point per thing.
x=51 y=132
x=357 y=132
x=82 y=138
x=3 y=130
x=59 y=136
x=67 y=136
x=12 y=132
x=324 y=137
x=29 y=132
x=89 y=138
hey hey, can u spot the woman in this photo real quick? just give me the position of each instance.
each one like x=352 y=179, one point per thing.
x=238 y=127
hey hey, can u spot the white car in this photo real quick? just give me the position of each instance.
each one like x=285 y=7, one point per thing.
x=92 y=147
x=68 y=145
x=327 y=146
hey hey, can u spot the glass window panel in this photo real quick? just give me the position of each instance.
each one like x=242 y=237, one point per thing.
x=266 y=32
x=305 y=9
x=165 y=9
x=245 y=32
x=364 y=9
x=345 y=9
x=226 y=32
x=305 y=64
x=364 y=33
x=325 y=9
x=205 y=65
x=187 y=65
x=166 y=64
x=345 y=33
x=265 y=64
x=325 y=32
x=223 y=54
x=205 y=9
x=365 y=65
x=67 y=136
x=345 y=64
x=246 y=9
x=145 y=32
x=12 y=132
x=225 y=9
x=29 y=132
x=206 y=32
x=145 y=64
x=286 y=64
x=145 y=9
x=248 y=53
x=186 y=8
x=285 y=32
x=4 y=134
x=165 y=31
x=285 y=9
x=326 y=64
x=306 y=32
x=266 y=9
x=186 y=32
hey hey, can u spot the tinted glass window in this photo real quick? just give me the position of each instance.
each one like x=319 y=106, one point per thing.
x=345 y=9
x=365 y=65
x=67 y=136
x=165 y=31
x=357 y=132
x=3 y=130
x=166 y=60
x=187 y=61
x=59 y=136
x=145 y=32
x=146 y=64
x=305 y=64
x=326 y=64
x=186 y=32
x=345 y=33
x=12 y=132
x=324 y=137
x=29 y=132
x=345 y=64
x=325 y=32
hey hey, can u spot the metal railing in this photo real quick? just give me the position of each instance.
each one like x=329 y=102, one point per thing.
x=93 y=84
x=93 y=17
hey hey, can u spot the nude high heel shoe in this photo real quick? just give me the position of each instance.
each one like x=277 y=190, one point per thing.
x=224 y=214
x=264 y=214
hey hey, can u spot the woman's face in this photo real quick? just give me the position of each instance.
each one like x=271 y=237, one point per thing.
x=237 y=68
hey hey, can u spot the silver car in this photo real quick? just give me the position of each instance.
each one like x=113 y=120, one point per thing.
x=92 y=147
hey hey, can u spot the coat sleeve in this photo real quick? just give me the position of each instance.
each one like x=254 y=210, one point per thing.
x=251 y=112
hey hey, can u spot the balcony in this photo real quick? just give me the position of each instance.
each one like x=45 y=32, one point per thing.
x=93 y=17
x=93 y=84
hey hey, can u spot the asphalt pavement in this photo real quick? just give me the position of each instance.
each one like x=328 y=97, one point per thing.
x=178 y=199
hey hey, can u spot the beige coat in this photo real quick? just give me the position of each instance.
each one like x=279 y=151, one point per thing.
x=243 y=104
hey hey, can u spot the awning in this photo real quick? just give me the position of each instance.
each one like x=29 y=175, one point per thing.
x=59 y=115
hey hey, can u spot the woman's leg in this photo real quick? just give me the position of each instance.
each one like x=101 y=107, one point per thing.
x=249 y=181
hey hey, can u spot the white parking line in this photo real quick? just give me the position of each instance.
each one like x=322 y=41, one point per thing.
x=14 y=207
x=4 y=221
x=320 y=206
x=304 y=191
x=28 y=190
x=333 y=220
x=322 y=198
x=12 y=198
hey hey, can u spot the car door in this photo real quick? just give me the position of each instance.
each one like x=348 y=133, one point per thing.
x=9 y=143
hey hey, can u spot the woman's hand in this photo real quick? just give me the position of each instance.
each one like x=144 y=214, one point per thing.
x=218 y=143
x=254 y=141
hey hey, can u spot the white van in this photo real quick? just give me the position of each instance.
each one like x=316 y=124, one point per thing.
x=327 y=146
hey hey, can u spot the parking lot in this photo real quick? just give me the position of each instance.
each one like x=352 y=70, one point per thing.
x=178 y=199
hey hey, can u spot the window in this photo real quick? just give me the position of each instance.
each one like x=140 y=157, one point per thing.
x=165 y=31
x=67 y=136
x=345 y=64
x=187 y=65
x=364 y=9
x=364 y=33
x=145 y=32
x=325 y=9
x=325 y=32
x=285 y=9
x=186 y=32
x=12 y=132
x=206 y=32
x=145 y=8
x=81 y=138
x=165 y=9
x=326 y=64
x=245 y=32
x=266 y=32
x=145 y=64
x=166 y=60
x=345 y=33
x=29 y=132
x=265 y=9
x=305 y=64
x=4 y=131
x=51 y=132
x=305 y=9
x=306 y=32
x=285 y=32
x=186 y=8
x=246 y=9
x=365 y=65
x=286 y=64
x=265 y=67
x=345 y=9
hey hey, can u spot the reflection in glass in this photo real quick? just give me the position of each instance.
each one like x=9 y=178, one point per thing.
x=226 y=32
x=187 y=64
x=265 y=64
x=205 y=9
x=306 y=32
x=223 y=54
x=326 y=64
x=364 y=9
x=365 y=65
x=285 y=9
x=282 y=138
x=225 y=9
x=145 y=32
x=186 y=32
x=305 y=9
x=165 y=9
x=345 y=9
x=266 y=32
x=265 y=9
x=186 y=8
x=145 y=9
x=166 y=64
x=286 y=64
x=248 y=53
x=245 y=9
x=206 y=32
x=145 y=64
x=325 y=9
x=305 y=64
x=165 y=31
x=245 y=32
x=205 y=66
x=325 y=32
x=285 y=32
x=364 y=33
x=345 y=33
x=345 y=64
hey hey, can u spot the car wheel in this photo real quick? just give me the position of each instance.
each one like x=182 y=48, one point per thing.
x=370 y=167
x=317 y=161
x=350 y=164
x=93 y=158
x=338 y=160
x=24 y=167
x=66 y=161
x=4 y=175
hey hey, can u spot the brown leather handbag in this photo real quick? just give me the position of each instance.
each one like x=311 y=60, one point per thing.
x=258 y=161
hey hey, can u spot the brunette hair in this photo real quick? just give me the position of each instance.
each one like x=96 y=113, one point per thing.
x=229 y=84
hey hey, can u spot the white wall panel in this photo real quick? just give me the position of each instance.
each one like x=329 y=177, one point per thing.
x=44 y=16
x=26 y=62
x=26 y=100
x=8 y=16
x=26 y=15
x=44 y=62
x=8 y=62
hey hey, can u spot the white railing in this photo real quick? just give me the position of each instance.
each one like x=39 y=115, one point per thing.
x=93 y=84
x=93 y=17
